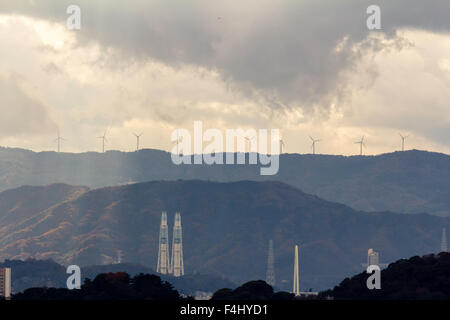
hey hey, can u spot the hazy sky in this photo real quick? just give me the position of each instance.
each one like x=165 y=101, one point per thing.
x=306 y=67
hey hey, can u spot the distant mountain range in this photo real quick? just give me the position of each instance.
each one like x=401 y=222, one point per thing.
x=226 y=228
x=408 y=182
x=47 y=273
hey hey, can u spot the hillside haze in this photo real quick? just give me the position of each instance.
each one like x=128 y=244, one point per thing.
x=408 y=182
x=226 y=229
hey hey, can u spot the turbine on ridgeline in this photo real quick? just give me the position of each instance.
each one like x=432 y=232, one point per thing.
x=403 y=141
x=313 y=145
x=138 y=136
x=178 y=143
x=281 y=146
x=361 y=144
x=103 y=140
x=250 y=145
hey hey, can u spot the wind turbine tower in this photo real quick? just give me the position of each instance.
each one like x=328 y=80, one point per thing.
x=252 y=151
x=444 y=241
x=250 y=145
x=281 y=146
x=137 y=140
x=103 y=140
x=361 y=144
x=296 y=287
x=176 y=266
x=163 y=252
x=313 y=146
x=58 y=139
x=270 y=275
x=178 y=143
x=403 y=141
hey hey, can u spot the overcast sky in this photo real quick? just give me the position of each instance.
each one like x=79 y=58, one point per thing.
x=306 y=67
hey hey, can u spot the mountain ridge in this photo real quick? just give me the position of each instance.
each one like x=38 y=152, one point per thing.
x=409 y=182
x=226 y=229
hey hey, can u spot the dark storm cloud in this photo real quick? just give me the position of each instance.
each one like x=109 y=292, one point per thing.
x=283 y=50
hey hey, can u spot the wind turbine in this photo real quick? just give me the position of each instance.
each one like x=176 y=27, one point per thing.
x=361 y=144
x=314 y=144
x=281 y=146
x=137 y=140
x=58 y=139
x=103 y=140
x=250 y=143
x=403 y=141
x=178 y=143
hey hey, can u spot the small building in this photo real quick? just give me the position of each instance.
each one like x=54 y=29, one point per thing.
x=373 y=259
x=201 y=295
x=307 y=294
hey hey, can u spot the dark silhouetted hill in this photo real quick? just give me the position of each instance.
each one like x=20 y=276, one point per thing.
x=417 y=278
x=47 y=273
x=253 y=290
x=108 y=286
